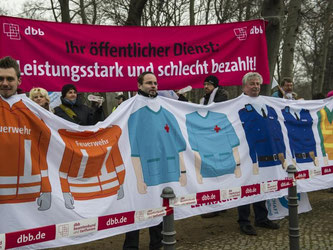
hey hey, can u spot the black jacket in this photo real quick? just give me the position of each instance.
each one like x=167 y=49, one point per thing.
x=84 y=114
x=220 y=96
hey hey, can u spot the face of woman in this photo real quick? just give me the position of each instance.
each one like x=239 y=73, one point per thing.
x=40 y=99
x=71 y=95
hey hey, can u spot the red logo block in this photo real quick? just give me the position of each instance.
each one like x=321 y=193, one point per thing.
x=302 y=175
x=208 y=197
x=250 y=190
x=327 y=170
x=31 y=236
x=287 y=183
x=115 y=220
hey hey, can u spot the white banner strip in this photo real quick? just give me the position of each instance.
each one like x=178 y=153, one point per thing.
x=149 y=214
x=190 y=199
x=76 y=228
x=2 y=241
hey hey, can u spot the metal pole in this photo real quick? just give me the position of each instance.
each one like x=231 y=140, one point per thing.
x=168 y=232
x=293 y=212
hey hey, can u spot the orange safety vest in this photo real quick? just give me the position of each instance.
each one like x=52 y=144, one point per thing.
x=24 y=141
x=327 y=132
x=92 y=166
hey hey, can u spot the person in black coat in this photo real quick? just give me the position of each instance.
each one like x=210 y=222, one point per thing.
x=213 y=92
x=73 y=110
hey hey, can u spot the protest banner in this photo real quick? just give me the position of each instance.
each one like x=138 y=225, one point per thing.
x=99 y=58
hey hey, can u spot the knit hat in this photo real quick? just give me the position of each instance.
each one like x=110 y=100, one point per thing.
x=212 y=80
x=67 y=88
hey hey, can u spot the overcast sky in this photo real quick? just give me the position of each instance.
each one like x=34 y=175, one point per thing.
x=13 y=7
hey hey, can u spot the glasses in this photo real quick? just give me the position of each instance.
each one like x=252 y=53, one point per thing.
x=151 y=83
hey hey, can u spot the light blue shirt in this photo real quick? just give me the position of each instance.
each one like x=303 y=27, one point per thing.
x=156 y=138
x=214 y=138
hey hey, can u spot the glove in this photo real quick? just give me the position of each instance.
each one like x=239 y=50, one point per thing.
x=69 y=200
x=120 y=193
x=44 y=201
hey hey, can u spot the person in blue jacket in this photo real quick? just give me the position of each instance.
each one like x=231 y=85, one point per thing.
x=301 y=138
x=253 y=123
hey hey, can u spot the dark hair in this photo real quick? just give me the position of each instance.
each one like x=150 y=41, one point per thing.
x=67 y=88
x=9 y=62
x=285 y=79
x=142 y=75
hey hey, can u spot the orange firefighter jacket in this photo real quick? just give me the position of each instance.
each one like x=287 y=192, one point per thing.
x=92 y=166
x=24 y=141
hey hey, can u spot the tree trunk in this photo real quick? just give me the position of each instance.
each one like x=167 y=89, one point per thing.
x=64 y=7
x=324 y=50
x=135 y=12
x=272 y=11
x=293 y=21
x=191 y=12
x=83 y=13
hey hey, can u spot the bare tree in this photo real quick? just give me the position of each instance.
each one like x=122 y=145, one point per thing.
x=328 y=18
x=64 y=7
x=272 y=11
x=290 y=36
x=135 y=12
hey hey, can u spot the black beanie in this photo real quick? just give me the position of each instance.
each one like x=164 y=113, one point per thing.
x=67 y=88
x=212 y=80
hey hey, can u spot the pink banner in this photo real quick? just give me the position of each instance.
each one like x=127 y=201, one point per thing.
x=109 y=58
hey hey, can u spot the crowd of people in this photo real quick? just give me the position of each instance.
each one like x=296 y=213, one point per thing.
x=72 y=109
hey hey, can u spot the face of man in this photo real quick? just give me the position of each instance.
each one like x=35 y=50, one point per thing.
x=252 y=87
x=8 y=82
x=71 y=95
x=149 y=85
x=208 y=87
x=288 y=87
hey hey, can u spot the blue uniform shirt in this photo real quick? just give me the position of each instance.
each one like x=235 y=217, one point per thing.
x=301 y=138
x=156 y=138
x=214 y=138
x=263 y=135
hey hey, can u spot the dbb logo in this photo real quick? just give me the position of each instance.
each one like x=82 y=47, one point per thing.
x=256 y=30
x=25 y=238
x=115 y=221
x=31 y=31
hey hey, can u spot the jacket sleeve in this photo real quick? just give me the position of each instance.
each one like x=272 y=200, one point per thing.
x=43 y=146
x=319 y=114
x=191 y=134
x=250 y=136
x=65 y=166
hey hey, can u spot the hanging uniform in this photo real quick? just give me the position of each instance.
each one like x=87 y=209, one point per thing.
x=263 y=135
x=325 y=130
x=300 y=134
x=92 y=166
x=24 y=141
x=214 y=138
x=156 y=138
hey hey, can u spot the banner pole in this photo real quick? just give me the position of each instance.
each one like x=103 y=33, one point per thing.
x=293 y=211
x=168 y=232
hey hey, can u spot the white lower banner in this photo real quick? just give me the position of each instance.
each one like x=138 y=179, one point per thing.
x=59 y=179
